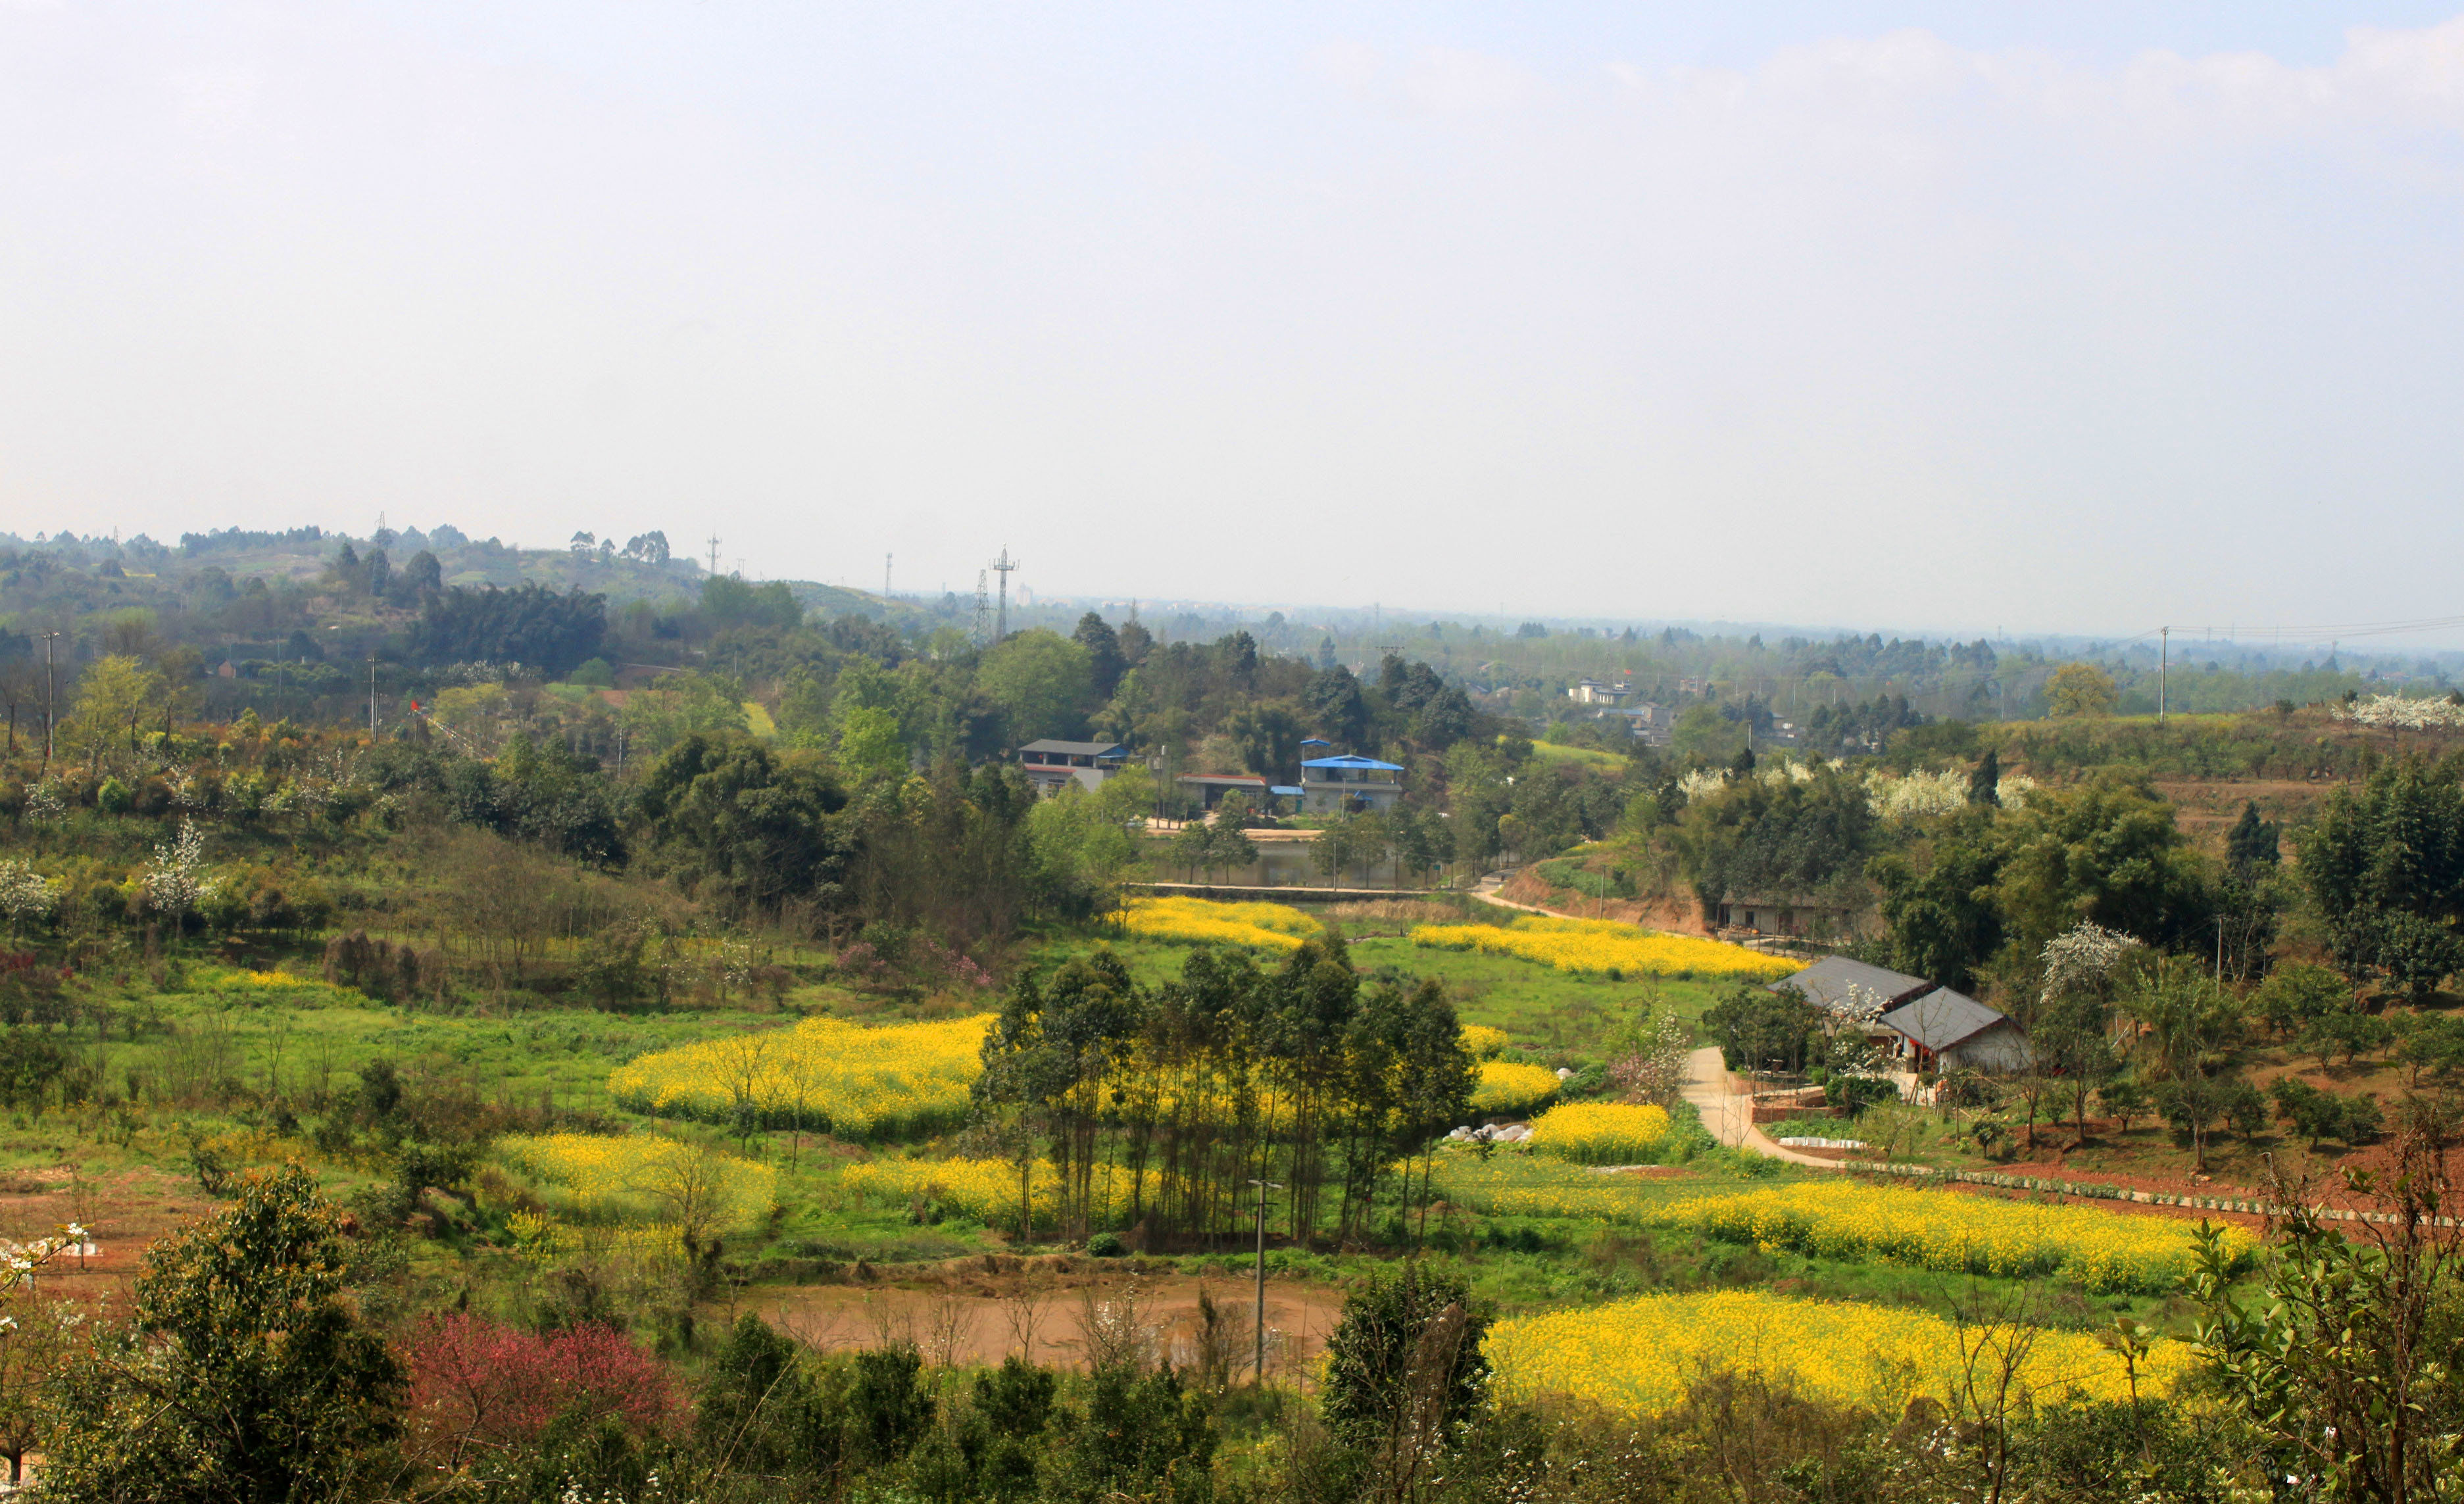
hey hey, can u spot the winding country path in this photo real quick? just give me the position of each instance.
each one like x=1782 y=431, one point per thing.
x=1728 y=1115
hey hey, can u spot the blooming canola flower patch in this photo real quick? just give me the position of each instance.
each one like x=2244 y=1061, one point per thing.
x=1197 y=920
x=1598 y=947
x=639 y=1176
x=1954 y=1234
x=824 y=1075
x=988 y=1189
x=1504 y=1087
x=1640 y=1356
x=1601 y=1132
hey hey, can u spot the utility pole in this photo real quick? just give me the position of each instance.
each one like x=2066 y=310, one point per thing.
x=1259 y=1324
x=50 y=686
x=713 y=554
x=2164 y=660
x=372 y=694
x=884 y=575
x=1003 y=566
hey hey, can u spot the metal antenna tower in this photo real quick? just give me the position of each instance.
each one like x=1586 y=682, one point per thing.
x=1003 y=566
x=713 y=553
x=983 y=612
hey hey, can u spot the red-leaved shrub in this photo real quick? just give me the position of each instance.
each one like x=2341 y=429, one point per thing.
x=475 y=1381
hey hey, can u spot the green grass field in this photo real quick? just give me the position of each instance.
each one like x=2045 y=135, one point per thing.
x=1587 y=756
x=1566 y=1017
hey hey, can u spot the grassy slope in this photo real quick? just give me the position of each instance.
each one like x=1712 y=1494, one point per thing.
x=1587 y=756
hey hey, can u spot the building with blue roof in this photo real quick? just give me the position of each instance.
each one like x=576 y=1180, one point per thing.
x=1349 y=785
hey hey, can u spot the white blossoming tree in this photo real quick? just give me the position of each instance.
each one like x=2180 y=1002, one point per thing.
x=28 y=899
x=176 y=880
x=2403 y=713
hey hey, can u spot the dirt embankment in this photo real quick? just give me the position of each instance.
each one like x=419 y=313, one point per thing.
x=1059 y=1312
x=1677 y=916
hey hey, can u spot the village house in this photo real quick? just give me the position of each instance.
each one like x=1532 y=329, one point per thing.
x=1787 y=914
x=1210 y=789
x=1052 y=766
x=1350 y=785
x=1925 y=1027
x=1651 y=724
x=1947 y=1030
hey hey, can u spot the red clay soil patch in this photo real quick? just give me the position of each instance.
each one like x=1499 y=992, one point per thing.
x=122 y=1214
x=979 y=1318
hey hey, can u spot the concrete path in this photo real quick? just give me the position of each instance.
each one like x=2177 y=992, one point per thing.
x=1729 y=1114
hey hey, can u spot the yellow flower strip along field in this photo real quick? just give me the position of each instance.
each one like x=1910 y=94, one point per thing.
x=825 y=1073
x=1945 y=1231
x=1952 y=1233
x=985 y=1190
x=1533 y=1186
x=640 y=1176
x=1507 y=1088
x=1197 y=920
x=1600 y=1132
x=543 y=1239
x=1638 y=1356
x=1597 y=947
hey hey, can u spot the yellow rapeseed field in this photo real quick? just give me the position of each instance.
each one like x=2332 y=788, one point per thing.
x=1482 y=1041
x=640 y=1176
x=1506 y=1087
x=1639 y=1355
x=825 y=1073
x=1939 y=1230
x=1947 y=1230
x=1197 y=920
x=1517 y=1185
x=985 y=1190
x=542 y=1238
x=1598 y=945
x=1601 y=1132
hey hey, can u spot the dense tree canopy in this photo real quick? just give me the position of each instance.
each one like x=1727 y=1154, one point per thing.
x=752 y=827
x=530 y=624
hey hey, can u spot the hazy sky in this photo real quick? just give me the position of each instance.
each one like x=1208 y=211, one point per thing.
x=2059 y=316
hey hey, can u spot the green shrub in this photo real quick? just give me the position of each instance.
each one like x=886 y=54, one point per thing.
x=1370 y=1380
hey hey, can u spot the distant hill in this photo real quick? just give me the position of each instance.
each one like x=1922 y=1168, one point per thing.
x=639 y=569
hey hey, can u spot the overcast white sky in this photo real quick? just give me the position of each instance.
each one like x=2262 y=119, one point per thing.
x=2060 y=316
